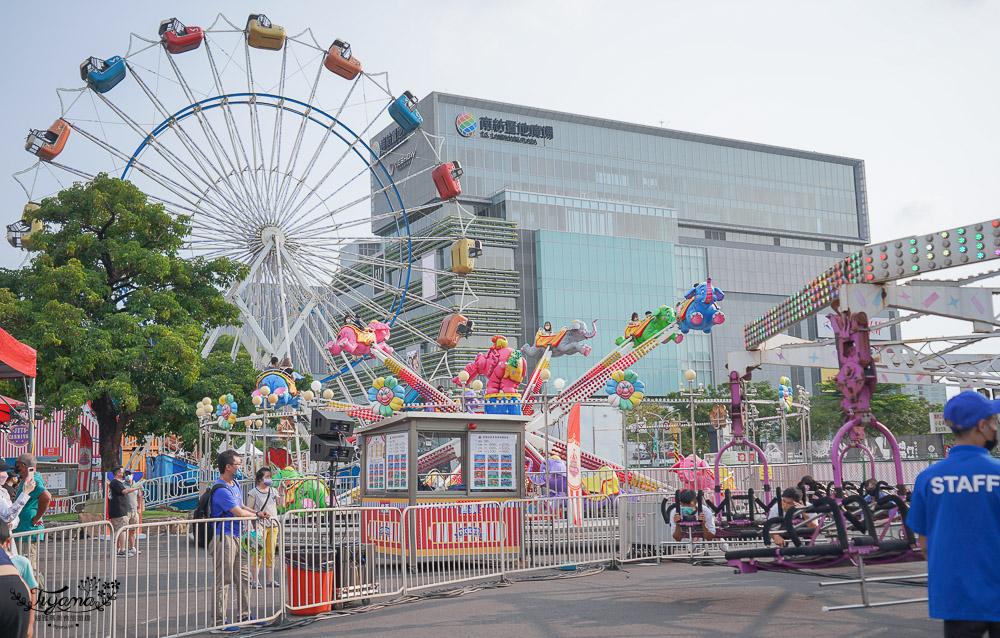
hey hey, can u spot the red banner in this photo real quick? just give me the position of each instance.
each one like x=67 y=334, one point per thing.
x=574 y=478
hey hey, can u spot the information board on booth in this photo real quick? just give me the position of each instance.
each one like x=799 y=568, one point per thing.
x=375 y=463
x=396 y=450
x=493 y=457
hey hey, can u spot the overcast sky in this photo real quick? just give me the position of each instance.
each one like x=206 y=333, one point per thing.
x=909 y=86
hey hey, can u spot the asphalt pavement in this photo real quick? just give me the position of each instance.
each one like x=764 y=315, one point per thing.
x=677 y=599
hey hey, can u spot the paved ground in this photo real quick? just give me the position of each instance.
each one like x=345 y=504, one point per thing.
x=648 y=600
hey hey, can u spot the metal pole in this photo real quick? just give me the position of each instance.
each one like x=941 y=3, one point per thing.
x=694 y=457
x=784 y=433
x=31 y=417
x=545 y=412
x=625 y=446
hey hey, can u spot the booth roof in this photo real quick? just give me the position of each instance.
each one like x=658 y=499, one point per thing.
x=444 y=417
x=16 y=359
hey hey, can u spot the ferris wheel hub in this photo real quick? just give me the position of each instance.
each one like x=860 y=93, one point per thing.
x=270 y=234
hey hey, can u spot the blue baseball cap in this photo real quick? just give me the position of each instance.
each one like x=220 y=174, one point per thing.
x=966 y=409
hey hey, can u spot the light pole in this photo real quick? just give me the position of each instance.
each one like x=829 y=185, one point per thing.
x=691 y=394
x=545 y=374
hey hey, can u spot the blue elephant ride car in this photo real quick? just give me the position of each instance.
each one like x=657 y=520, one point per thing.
x=281 y=383
x=102 y=75
x=700 y=311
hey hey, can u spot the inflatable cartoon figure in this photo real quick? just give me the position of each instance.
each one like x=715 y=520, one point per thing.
x=353 y=340
x=700 y=311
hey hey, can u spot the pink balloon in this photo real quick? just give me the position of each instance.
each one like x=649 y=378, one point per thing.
x=255 y=393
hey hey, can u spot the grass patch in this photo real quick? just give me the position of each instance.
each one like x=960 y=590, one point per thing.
x=72 y=517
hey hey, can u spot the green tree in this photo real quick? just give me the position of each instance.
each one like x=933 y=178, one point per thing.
x=901 y=413
x=114 y=311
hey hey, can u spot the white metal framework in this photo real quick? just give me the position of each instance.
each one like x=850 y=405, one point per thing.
x=266 y=152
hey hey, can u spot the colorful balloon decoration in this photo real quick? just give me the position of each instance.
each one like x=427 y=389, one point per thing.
x=624 y=389
x=252 y=543
x=387 y=395
x=785 y=393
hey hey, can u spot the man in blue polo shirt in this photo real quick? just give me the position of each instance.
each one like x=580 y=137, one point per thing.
x=955 y=511
x=232 y=566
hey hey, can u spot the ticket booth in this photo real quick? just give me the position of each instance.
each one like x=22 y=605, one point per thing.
x=455 y=472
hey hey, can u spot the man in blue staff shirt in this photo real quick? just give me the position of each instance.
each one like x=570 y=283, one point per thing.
x=955 y=511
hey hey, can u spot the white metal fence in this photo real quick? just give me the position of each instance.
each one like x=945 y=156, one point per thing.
x=322 y=559
x=76 y=582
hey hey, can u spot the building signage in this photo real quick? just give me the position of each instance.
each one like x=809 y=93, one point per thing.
x=402 y=162
x=495 y=128
x=387 y=142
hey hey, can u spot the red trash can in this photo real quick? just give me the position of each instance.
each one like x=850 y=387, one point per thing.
x=310 y=580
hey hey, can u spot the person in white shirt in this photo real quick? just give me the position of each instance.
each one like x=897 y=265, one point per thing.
x=687 y=506
x=264 y=498
x=10 y=510
x=791 y=497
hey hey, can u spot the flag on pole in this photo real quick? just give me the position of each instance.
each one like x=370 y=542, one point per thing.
x=574 y=479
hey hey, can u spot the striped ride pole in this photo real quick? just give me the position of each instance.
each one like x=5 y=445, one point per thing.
x=412 y=379
x=535 y=383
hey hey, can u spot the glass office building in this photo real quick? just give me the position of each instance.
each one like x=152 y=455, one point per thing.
x=585 y=218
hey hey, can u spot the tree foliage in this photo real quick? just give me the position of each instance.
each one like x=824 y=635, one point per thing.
x=115 y=312
x=902 y=413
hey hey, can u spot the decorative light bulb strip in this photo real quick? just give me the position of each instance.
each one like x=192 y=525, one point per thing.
x=533 y=386
x=877 y=263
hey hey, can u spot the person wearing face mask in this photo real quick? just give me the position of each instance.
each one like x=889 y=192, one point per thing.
x=134 y=509
x=955 y=513
x=264 y=498
x=687 y=508
x=9 y=510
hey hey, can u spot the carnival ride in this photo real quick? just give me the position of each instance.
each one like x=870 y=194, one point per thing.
x=266 y=141
x=847 y=525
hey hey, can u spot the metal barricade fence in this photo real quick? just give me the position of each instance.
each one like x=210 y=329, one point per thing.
x=455 y=542
x=334 y=556
x=645 y=535
x=76 y=584
x=175 y=587
x=542 y=532
x=163 y=490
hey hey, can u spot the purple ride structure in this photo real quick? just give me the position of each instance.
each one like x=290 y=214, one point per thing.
x=844 y=526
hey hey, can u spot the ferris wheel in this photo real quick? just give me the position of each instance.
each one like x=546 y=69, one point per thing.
x=259 y=137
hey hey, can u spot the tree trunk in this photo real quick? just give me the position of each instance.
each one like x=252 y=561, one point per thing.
x=111 y=432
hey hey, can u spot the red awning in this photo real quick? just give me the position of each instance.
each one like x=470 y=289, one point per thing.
x=16 y=359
